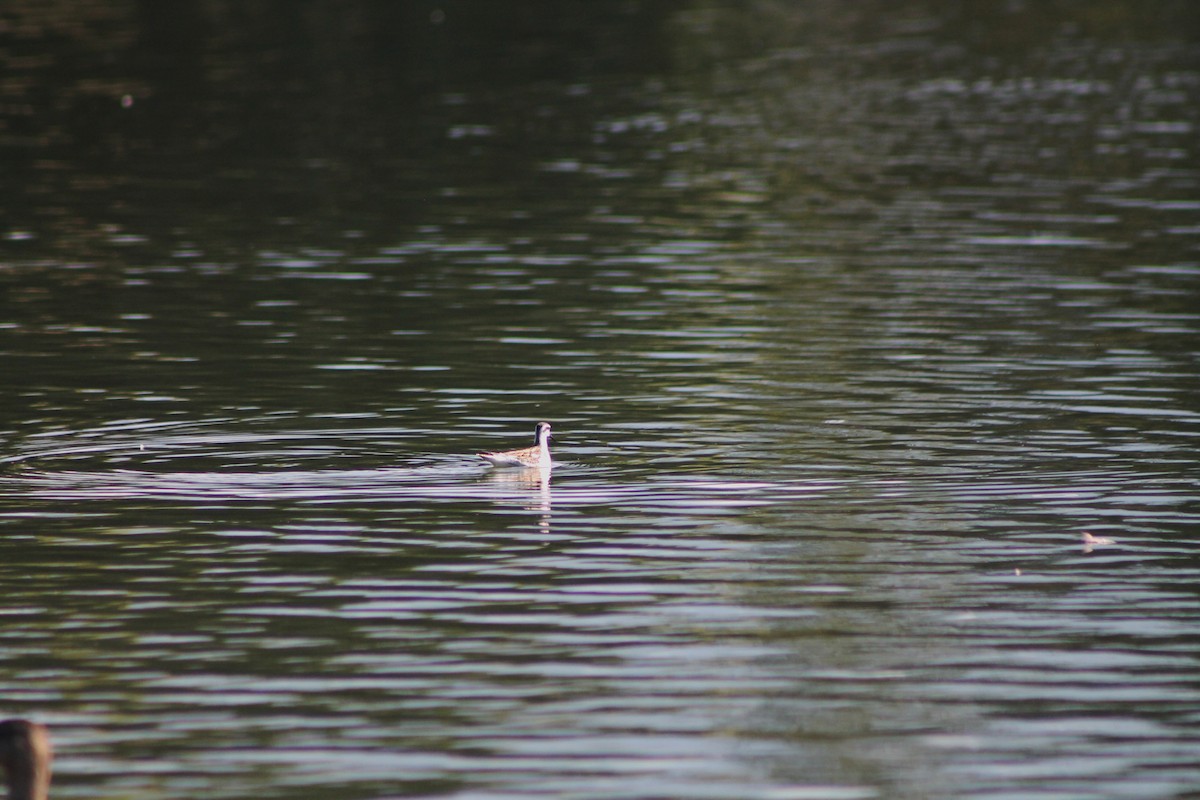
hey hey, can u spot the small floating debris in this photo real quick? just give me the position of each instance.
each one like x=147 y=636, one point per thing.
x=1091 y=542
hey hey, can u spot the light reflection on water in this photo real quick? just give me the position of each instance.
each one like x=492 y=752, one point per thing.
x=816 y=529
x=598 y=620
x=823 y=535
x=843 y=360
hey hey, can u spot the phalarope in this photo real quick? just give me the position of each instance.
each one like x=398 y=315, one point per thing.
x=1091 y=542
x=536 y=456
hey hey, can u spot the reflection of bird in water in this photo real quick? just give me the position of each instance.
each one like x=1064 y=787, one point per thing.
x=25 y=754
x=536 y=456
x=530 y=486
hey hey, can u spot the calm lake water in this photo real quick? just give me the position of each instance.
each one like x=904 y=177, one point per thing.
x=850 y=321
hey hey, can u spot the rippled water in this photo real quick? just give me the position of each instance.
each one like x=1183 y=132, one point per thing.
x=847 y=339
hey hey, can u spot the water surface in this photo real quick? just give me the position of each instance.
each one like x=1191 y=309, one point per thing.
x=850 y=323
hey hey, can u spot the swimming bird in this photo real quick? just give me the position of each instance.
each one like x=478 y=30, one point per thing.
x=25 y=754
x=1091 y=542
x=537 y=456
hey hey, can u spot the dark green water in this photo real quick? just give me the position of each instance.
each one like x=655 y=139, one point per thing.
x=850 y=320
